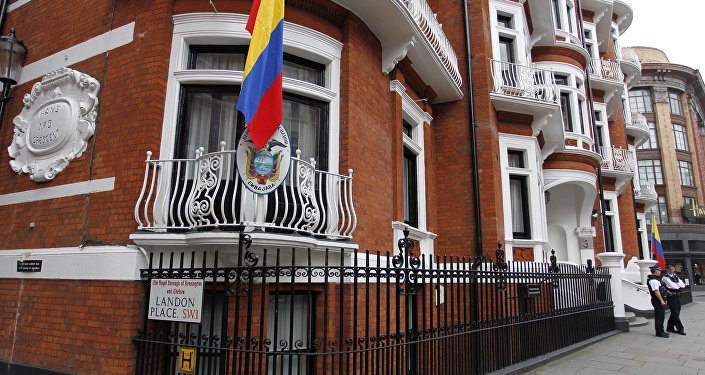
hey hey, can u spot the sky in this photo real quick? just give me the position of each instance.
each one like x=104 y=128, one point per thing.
x=676 y=27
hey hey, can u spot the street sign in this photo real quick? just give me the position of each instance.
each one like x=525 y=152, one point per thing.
x=178 y=300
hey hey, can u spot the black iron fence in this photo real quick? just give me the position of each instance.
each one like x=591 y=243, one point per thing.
x=335 y=312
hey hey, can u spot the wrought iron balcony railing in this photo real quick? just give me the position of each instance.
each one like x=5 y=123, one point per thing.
x=523 y=81
x=606 y=69
x=646 y=191
x=617 y=159
x=206 y=193
x=433 y=30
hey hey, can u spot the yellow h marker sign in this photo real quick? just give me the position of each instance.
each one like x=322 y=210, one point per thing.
x=187 y=360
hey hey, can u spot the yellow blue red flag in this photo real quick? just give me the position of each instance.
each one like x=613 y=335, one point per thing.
x=656 y=247
x=261 y=96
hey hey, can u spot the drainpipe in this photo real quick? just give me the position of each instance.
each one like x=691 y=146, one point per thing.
x=473 y=132
x=594 y=129
x=3 y=14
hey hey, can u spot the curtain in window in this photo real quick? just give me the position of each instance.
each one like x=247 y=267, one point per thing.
x=210 y=118
x=303 y=122
x=517 y=203
x=290 y=316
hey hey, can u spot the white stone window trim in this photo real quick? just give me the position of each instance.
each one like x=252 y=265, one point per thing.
x=535 y=196
x=416 y=117
x=643 y=235
x=602 y=108
x=518 y=33
x=611 y=196
x=229 y=29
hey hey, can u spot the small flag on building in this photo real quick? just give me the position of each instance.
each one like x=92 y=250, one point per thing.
x=261 y=96
x=656 y=247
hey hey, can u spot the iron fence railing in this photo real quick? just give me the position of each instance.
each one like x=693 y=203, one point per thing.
x=523 y=81
x=304 y=312
x=206 y=192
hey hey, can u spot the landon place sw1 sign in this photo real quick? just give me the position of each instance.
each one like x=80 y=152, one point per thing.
x=178 y=300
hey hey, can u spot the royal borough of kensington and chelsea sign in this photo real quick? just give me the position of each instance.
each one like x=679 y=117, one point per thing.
x=55 y=124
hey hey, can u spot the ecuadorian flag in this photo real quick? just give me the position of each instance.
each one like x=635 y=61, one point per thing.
x=261 y=96
x=656 y=247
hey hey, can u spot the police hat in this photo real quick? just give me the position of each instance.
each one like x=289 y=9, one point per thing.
x=670 y=267
x=655 y=267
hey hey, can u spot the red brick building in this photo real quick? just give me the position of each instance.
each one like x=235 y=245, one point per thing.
x=534 y=150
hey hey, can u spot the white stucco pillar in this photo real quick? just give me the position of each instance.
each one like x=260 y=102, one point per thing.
x=644 y=270
x=613 y=262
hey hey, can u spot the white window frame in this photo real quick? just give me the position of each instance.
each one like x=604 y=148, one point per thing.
x=229 y=29
x=535 y=197
x=519 y=33
x=568 y=30
x=602 y=125
x=576 y=89
x=416 y=117
x=611 y=196
x=593 y=40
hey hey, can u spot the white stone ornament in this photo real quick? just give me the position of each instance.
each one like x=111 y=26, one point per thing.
x=55 y=124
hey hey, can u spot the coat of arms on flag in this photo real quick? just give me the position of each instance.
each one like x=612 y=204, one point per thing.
x=262 y=170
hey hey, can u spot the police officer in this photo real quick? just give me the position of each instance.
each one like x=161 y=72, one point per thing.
x=675 y=286
x=657 y=300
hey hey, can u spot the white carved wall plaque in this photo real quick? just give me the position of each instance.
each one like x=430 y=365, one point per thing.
x=55 y=124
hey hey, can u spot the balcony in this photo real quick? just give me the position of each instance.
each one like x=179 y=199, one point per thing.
x=646 y=194
x=409 y=28
x=620 y=160
x=605 y=70
x=607 y=76
x=631 y=66
x=624 y=12
x=636 y=126
x=618 y=163
x=205 y=194
x=528 y=90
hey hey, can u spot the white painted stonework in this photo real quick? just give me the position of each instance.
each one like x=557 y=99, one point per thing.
x=55 y=124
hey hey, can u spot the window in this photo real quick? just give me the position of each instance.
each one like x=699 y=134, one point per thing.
x=658 y=212
x=652 y=142
x=522 y=188
x=681 y=137
x=564 y=15
x=567 y=112
x=411 y=204
x=609 y=226
x=573 y=104
x=289 y=327
x=689 y=202
x=211 y=326
x=674 y=101
x=215 y=46
x=208 y=115
x=685 y=171
x=650 y=170
x=504 y=20
x=518 y=195
x=640 y=100
x=506 y=50
x=557 y=14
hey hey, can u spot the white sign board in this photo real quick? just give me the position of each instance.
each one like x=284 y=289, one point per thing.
x=178 y=300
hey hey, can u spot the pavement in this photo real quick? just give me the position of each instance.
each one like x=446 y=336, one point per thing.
x=639 y=351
